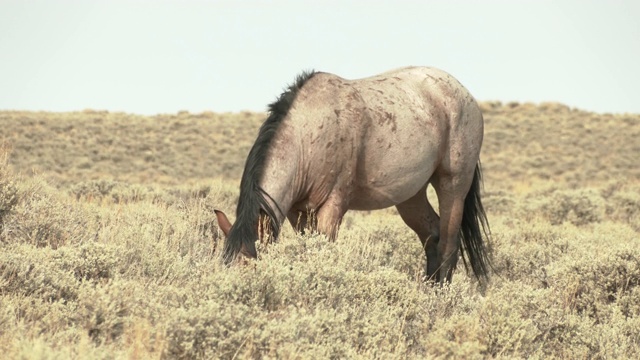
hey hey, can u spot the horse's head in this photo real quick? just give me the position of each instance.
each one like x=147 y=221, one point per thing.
x=241 y=239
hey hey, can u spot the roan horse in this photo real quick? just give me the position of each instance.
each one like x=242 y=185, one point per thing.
x=331 y=144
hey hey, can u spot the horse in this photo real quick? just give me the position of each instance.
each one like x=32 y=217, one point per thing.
x=330 y=145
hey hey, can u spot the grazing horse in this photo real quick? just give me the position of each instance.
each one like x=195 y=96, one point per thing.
x=330 y=144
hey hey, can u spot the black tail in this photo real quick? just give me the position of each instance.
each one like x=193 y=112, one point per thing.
x=474 y=230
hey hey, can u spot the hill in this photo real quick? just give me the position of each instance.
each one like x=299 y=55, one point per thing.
x=523 y=143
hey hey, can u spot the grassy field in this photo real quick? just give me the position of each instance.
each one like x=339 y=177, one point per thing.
x=109 y=248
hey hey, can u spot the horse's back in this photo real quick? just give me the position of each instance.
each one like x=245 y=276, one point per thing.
x=389 y=131
x=410 y=113
x=423 y=89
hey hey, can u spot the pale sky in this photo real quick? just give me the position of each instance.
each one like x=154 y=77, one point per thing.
x=150 y=57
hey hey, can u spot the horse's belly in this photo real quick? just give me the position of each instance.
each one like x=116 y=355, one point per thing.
x=372 y=199
x=396 y=166
x=383 y=188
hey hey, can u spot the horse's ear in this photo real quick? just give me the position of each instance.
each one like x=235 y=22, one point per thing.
x=223 y=223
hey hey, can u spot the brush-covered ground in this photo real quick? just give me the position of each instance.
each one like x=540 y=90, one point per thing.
x=109 y=248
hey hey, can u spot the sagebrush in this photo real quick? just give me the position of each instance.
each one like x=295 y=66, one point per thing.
x=109 y=248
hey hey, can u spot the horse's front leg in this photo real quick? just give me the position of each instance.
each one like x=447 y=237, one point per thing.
x=302 y=221
x=298 y=220
x=329 y=216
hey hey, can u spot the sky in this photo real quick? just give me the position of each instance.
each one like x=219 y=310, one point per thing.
x=150 y=57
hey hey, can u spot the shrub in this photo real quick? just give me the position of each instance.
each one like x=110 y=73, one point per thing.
x=115 y=258
x=116 y=192
x=592 y=284
x=43 y=217
x=8 y=188
x=36 y=273
x=579 y=207
x=624 y=206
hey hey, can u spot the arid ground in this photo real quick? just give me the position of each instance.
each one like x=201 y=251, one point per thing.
x=109 y=248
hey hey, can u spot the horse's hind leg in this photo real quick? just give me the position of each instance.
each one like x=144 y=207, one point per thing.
x=451 y=191
x=419 y=215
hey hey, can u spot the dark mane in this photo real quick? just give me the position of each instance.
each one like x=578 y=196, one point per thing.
x=253 y=201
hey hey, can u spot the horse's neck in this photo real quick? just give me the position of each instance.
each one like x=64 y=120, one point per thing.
x=282 y=182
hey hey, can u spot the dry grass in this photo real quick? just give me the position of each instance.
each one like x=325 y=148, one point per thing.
x=108 y=248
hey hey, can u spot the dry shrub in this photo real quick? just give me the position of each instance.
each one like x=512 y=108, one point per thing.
x=127 y=268
x=499 y=202
x=53 y=275
x=8 y=188
x=524 y=322
x=152 y=241
x=36 y=274
x=592 y=284
x=30 y=320
x=523 y=251
x=119 y=192
x=99 y=189
x=90 y=326
x=456 y=337
x=578 y=207
x=314 y=298
x=8 y=198
x=44 y=217
x=624 y=206
x=211 y=330
x=303 y=297
x=168 y=149
x=143 y=283
x=92 y=261
x=104 y=310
